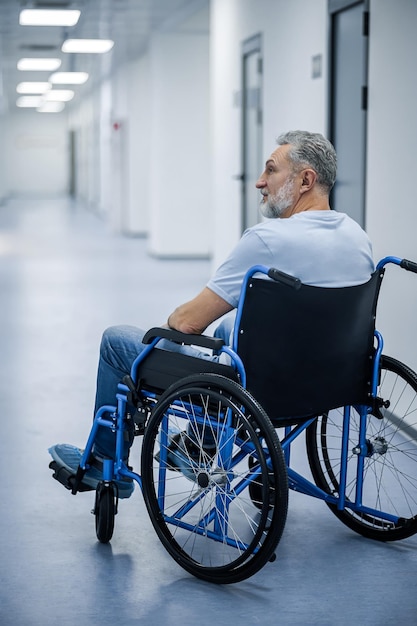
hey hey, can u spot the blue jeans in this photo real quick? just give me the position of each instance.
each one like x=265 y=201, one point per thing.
x=120 y=345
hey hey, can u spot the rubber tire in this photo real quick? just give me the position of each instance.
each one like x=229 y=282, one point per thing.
x=105 y=511
x=398 y=384
x=254 y=426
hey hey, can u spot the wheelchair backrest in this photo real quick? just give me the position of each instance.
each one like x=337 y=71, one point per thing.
x=307 y=349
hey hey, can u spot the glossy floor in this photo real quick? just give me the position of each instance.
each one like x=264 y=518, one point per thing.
x=64 y=277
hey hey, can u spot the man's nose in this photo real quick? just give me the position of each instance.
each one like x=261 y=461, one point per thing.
x=261 y=182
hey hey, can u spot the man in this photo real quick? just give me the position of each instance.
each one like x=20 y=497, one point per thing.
x=301 y=236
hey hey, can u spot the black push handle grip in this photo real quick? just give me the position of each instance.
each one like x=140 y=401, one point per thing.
x=285 y=279
x=410 y=266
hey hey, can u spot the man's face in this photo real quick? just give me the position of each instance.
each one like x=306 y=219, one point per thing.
x=277 y=184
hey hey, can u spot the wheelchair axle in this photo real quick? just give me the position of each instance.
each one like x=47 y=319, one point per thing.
x=378 y=446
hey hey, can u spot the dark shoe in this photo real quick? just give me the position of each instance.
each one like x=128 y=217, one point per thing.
x=66 y=459
x=183 y=455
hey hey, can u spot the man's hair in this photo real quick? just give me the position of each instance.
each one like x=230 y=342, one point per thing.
x=314 y=151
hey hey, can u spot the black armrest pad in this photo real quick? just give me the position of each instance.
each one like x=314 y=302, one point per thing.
x=214 y=343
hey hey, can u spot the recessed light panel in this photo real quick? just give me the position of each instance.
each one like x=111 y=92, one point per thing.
x=29 y=101
x=48 y=17
x=33 y=87
x=51 y=107
x=68 y=78
x=59 y=95
x=42 y=65
x=96 y=46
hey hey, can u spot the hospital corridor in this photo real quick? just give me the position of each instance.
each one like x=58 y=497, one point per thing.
x=65 y=279
x=142 y=156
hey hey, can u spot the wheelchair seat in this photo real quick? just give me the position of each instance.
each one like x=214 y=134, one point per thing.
x=163 y=368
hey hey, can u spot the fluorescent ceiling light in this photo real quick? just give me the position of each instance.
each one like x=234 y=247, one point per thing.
x=48 y=17
x=87 y=45
x=29 y=101
x=59 y=95
x=34 y=87
x=68 y=78
x=51 y=107
x=45 y=65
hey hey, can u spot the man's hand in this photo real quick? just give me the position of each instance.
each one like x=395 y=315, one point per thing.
x=194 y=316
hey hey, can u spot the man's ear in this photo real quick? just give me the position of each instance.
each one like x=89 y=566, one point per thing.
x=309 y=178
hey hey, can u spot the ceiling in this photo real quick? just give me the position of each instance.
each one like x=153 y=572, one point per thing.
x=129 y=23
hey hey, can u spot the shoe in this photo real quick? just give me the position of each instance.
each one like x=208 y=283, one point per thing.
x=183 y=455
x=67 y=457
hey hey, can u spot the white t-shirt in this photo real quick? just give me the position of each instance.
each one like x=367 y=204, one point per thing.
x=322 y=248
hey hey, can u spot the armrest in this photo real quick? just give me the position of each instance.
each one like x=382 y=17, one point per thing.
x=214 y=343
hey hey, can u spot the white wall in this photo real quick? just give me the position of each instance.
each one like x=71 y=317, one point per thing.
x=129 y=137
x=293 y=32
x=179 y=157
x=91 y=119
x=118 y=175
x=138 y=90
x=3 y=149
x=37 y=153
x=82 y=120
x=4 y=189
x=392 y=139
x=101 y=151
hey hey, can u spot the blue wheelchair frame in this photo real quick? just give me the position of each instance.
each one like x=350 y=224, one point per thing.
x=117 y=469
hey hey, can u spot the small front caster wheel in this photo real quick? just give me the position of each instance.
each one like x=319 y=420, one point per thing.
x=104 y=510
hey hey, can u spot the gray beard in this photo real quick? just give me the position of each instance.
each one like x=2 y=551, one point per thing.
x=275 y=206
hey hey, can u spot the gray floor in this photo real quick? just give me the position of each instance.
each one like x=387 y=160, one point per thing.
x=63 y=279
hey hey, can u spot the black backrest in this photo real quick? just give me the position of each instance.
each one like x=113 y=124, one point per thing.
x=309 y=349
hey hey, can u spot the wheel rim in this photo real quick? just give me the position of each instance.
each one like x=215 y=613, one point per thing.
x=209 y=498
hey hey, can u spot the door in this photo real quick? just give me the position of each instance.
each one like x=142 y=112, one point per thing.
x=251 y=129
x=349 y=51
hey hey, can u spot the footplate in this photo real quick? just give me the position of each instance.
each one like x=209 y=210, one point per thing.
x=71 y=481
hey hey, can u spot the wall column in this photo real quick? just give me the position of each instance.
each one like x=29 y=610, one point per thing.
x=179 y=200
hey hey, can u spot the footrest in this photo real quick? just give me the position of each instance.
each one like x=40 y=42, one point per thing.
x=68 y=479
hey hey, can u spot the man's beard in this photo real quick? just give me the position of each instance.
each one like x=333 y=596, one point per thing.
x=275 y=206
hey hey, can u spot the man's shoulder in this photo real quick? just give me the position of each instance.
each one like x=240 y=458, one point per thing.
x=294 y=222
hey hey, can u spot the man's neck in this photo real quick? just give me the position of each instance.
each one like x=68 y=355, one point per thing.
x=316 y=202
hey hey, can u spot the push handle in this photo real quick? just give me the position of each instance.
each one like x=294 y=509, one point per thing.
x=410 y=266
x=286 y=279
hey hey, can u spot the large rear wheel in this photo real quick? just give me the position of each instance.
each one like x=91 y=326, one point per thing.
x=206 y=443
x=390 y=463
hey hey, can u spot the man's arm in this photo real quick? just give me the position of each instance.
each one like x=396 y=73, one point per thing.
x=194 y=316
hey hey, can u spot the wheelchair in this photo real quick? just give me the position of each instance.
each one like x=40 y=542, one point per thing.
x=215 y=475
